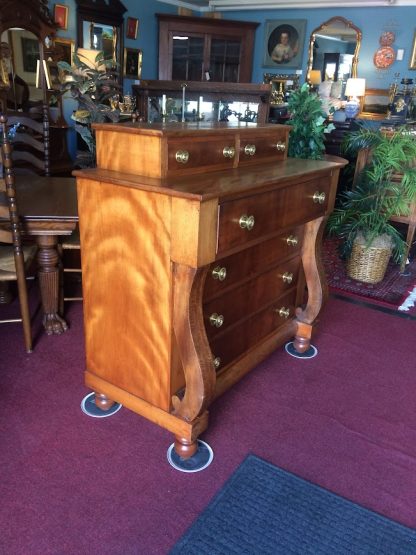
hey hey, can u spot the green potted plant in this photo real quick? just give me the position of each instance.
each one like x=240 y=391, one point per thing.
x=309 y=124
x=384 y=188
x=93 y=85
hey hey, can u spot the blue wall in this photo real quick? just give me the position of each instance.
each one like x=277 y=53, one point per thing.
x=371 y=21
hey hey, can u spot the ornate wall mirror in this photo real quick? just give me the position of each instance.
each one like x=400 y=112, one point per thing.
x=333 y=50
x=101 y=29
x=25 y=28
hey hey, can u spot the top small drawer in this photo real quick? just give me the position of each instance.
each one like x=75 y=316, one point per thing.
x=264 y=148
x=201 y=155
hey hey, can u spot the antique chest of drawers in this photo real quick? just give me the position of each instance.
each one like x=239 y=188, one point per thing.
x=191 y=280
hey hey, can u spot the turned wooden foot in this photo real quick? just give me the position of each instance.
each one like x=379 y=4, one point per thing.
x=185 y=448
x=301 y=344
x=103 y=402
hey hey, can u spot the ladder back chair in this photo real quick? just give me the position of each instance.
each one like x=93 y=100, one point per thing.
x=14 y=257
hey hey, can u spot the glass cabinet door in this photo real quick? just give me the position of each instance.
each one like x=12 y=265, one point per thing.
x=187 y=57
x=225 y=60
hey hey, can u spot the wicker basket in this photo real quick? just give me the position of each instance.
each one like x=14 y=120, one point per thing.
x=368 y=264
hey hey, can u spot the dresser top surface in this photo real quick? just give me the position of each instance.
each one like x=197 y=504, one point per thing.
x=224 y=185
x=177 y=129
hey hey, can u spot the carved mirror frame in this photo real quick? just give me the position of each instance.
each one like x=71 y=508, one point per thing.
x=324 y=26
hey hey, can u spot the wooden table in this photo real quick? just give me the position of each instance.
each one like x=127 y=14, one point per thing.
x=48 y=208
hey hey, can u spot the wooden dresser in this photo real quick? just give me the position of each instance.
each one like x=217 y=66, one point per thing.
x=197 y=243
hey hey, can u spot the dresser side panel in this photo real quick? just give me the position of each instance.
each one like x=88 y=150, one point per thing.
x=125 y=241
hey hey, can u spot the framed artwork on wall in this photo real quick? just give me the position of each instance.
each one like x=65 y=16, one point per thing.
x=53 y=75
x=412 y=64
x=283 y=43
x=132 y=63
x=64 y=49
x=60 y=16
x=132 y=27
x=374 y=104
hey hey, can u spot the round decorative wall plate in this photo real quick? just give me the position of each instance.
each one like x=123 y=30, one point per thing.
x=387 y=38
x=384 y=57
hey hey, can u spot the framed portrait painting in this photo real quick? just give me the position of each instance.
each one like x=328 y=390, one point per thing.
x=132 y=27
x=283 y=43
x=132 y=63
x=65 y=49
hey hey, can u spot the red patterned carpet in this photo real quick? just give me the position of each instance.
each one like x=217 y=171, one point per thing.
x=394 y=292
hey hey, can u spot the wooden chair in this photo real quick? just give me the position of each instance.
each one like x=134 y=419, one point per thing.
x=14 y=257
x=363 y=158
x=30 y=143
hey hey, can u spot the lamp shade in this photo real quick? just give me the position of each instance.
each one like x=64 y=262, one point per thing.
x=315 y=77
x=355 y=87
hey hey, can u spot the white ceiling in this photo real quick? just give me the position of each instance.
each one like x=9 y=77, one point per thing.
x=236 y=5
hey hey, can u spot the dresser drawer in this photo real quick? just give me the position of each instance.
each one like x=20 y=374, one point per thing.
x=267 y=147
x=228 y=346
x=253 y=217
x=191 y=155
x=250 y=297
x=229 y=271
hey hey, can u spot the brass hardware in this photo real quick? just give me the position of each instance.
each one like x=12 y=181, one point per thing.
x=287 y=277
x=216 y=320
x=319 y=198
x=250 y=150
x=292 y=241
x=217 y=362
x=280 y=146
x=219 y=273
x=228 y=151
x=283 y=312
x=182 y=156
x=246 y=222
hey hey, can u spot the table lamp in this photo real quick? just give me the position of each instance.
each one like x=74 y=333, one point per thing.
x=315 y=78
x=354 y=89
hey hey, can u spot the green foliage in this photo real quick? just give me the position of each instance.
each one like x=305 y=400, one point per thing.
x=92 y=87
x=306 y=139
x=385 y=188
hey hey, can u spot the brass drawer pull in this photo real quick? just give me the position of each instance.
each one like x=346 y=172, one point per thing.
x=292 y=241
x=228 y=152
x=280 y=146
x=250 y=150
x=283 y=312
x=182 y=156
x=216 y=320
x=219 y=273
x=287 y=277
x=318 y=198
x=217 y=362
x=246 y=222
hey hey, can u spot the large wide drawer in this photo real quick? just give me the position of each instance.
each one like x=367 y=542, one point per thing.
x=222 y=312
x=228 y=346
x=243 y=265
x=253 y=217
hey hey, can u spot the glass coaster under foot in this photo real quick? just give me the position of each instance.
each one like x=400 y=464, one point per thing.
x=89 y=407
x=310 y=353
x=202 y=458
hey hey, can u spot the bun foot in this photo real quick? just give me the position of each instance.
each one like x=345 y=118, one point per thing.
x=200 y=459
x=310 y=352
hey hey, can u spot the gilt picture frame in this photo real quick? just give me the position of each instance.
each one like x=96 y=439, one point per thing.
x=65 y=48
x=412 y=64
x=374 y=104
x=133 y=58
x=283 y=43
x=60 y=16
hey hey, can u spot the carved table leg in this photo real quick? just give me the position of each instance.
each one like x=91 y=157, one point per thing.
x=48 y=260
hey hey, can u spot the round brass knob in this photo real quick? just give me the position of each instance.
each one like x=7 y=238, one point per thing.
x=182 y=156
x=287 y=277
x=250 y=150
x=216 y=320
x=217 y=362
x=319 y=198
x=228 y=152
x=219 y=273
x=292 y=241
x=283 y=312
x=280 y=146
x=246 y=222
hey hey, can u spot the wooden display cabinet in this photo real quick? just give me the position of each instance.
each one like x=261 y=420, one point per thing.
x=206 y=236
x=202 y=49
